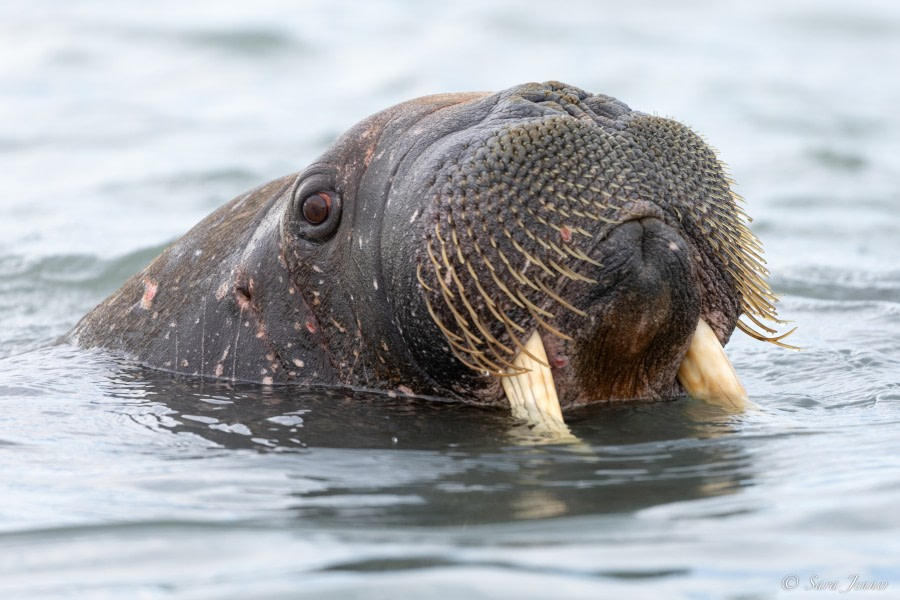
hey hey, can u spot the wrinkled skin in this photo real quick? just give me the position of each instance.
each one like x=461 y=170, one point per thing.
x=459 y=224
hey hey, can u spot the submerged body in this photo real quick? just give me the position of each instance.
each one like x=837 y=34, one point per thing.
x=451 y=245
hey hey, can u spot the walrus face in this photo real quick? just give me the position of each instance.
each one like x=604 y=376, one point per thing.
x=477 y=237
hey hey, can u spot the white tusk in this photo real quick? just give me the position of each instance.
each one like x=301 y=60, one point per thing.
x=707 y=375
x=532 y=393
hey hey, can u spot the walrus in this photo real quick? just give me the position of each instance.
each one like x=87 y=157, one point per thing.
x=541 y=248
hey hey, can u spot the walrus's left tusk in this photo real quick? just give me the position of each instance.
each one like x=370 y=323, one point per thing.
x=706 y=373
x=532 y=393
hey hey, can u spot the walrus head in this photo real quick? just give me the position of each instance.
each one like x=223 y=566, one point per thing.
x=484 y=247
x=469 y=223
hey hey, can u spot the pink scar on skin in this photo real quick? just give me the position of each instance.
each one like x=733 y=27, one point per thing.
x=311 y=325
x=150 y=288
x=565 y=233
x=558 y=362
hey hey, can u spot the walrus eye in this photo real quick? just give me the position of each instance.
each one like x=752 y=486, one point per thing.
x=316 y=208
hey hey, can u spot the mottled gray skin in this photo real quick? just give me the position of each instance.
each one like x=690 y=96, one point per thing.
x=254 y=292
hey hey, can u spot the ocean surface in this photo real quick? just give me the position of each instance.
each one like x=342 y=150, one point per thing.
x=122 y=124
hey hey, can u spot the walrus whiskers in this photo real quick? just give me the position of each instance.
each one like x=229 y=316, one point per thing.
x=560 y=300
x=476 y=320
x=776 y=340
x=466 y=354
x=524 y=348
x=421 y=280
x=498 y=314
x=499 y=283
x=469 y=343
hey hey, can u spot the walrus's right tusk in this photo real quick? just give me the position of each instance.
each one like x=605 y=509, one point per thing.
x=707 y=375
x=532 y=392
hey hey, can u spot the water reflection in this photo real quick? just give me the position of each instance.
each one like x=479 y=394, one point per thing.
x=383 y=461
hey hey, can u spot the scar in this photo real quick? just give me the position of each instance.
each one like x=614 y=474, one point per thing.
x=559 y=361
x=150 y=288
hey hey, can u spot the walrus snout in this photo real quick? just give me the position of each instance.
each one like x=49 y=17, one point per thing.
x=640 y=317
x=634 y=324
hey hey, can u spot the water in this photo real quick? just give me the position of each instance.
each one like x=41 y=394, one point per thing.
x=121 y=126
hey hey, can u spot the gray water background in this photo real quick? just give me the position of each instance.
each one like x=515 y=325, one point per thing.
x=122 y=124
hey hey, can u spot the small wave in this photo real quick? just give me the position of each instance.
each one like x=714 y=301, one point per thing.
x=829 y=283
x=81 y=270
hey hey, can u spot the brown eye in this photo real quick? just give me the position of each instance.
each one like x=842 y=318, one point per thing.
x=313 y=211
x=317 y=207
